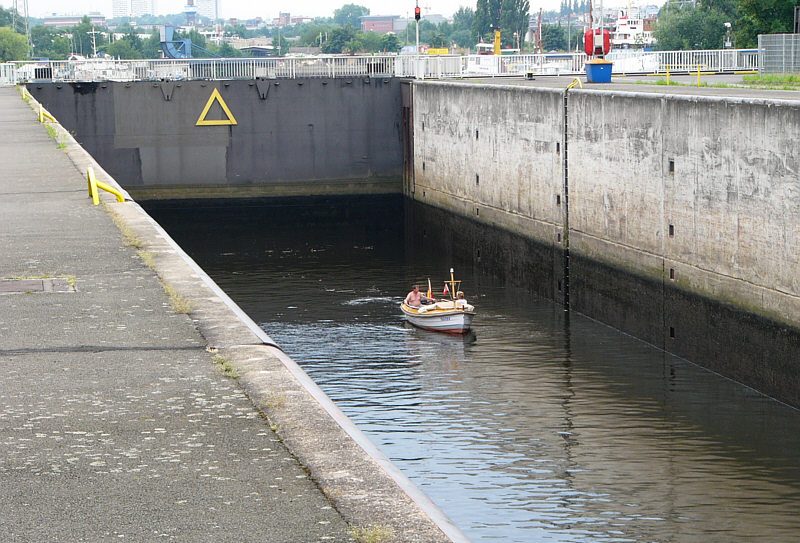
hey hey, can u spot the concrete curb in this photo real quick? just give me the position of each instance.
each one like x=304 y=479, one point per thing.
x=360 y=481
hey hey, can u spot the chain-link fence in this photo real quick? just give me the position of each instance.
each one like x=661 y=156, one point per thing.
x=779 y=53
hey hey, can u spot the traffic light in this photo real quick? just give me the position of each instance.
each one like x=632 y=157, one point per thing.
x=417 y=13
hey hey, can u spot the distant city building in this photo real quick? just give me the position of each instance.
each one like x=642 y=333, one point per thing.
x=283 y=19
x=65 y=21
x=434 y=18
x=143 y=7
x=120 y=8
x=208 y=9
x=382 y=24
x=301 y=19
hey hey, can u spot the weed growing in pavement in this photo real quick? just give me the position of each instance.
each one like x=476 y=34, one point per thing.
x=275 y=400
x=179 y=303
x=374 y=533
x=224 y=365
x=129 y=237
x=148 y=258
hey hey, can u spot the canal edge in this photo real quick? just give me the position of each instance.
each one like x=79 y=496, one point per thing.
x=360 y=481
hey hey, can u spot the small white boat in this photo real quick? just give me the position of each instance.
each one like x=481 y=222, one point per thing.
x=449 y=316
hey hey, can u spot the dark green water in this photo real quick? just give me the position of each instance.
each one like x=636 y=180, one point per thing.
x=538 y=426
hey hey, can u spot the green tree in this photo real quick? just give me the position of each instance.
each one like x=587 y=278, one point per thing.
x=438 y=39
x=281 y=44
x=462 y=38
x=226 y=50
x=487 y=19
x=370 y=42
x=85 y=37
x=151 y=47
x=312 y=34
x=554 y=38
x=238 y=31
x=682 y=27
x=13 y=46
x=123 y=48
x=349 y=14
x=197 y=38
x=6 y=16
x=337 y=38
x=390 y=43
x=508 y=16
x=762 y=17
x=49 y=43
x=463 y=18
x=353 y=46
x=514 y=20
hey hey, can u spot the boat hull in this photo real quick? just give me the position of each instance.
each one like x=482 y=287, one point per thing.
x=448 y=321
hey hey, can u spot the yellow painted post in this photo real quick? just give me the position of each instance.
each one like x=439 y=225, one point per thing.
x=667 y=74
x=698 y=75
x=41 y=117
x=92 y=186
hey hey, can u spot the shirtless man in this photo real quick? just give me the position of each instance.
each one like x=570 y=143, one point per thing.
x=415 y=297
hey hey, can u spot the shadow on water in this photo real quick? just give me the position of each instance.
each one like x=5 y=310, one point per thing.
x=540 y=425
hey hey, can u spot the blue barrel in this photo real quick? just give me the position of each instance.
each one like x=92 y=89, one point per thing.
x=598 y=71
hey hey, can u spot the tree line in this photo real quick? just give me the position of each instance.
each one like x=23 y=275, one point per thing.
x=698 y=24
x=702 y=24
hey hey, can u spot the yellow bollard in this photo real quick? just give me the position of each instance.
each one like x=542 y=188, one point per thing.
x=667 y=74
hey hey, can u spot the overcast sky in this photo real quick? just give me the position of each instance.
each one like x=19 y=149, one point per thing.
x=246 y=9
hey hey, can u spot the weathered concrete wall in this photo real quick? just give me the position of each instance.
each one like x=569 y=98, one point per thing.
x=290 y=137
x=683 y=222
x=723 y=217
x=493 y=154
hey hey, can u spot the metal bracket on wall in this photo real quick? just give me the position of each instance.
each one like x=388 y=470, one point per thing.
x=167 y=89
x=262 y=87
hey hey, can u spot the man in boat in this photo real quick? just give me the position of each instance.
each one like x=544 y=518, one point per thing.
x=460 y=300
x=415 y=298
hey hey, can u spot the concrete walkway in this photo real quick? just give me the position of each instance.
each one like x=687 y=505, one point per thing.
x=117 y=418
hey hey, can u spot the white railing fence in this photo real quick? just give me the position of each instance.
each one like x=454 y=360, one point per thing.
x=421 y=66
x=8 y=74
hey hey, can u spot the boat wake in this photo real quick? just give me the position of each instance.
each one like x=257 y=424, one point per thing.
x=372 y=300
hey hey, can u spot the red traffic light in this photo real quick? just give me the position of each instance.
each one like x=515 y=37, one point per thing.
x=417 y=13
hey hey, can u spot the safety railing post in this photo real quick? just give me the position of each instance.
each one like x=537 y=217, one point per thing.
x=94 y=184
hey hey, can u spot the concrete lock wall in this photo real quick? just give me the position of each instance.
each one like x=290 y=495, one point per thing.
x=683 y=225
x=493 y=154
x=304 y=136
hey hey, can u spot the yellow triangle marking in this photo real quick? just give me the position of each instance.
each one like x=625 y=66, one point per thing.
x=202 y=121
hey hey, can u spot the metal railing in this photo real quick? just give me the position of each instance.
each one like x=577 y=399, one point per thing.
x=8 y=74
x=779 y=53
x=94 y=185
x=414 y=66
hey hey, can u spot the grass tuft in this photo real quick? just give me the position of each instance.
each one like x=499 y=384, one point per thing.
x=178 y=302
x=129 y=237
x=224 y=365
x=275 y=400
x=374 y=533
x=148 y=258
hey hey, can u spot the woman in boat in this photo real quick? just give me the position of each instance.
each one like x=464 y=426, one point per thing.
x=415 y=298
x=460 y=300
